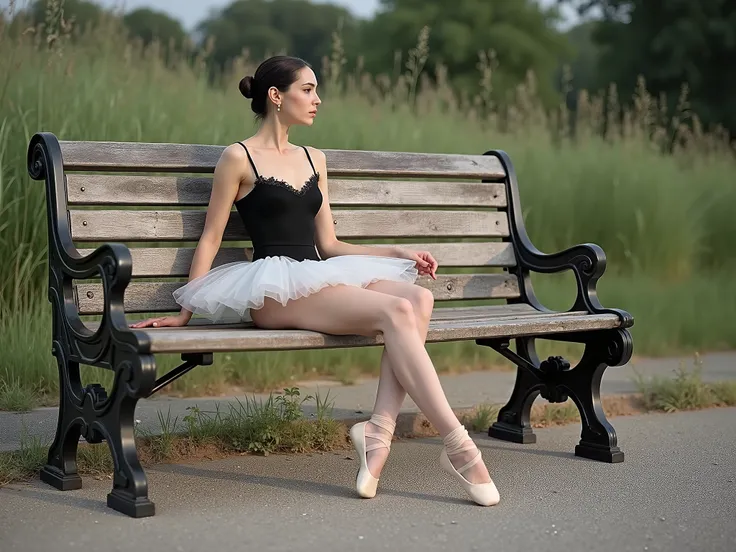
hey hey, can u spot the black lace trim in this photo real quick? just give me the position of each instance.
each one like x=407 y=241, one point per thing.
x=271 y=181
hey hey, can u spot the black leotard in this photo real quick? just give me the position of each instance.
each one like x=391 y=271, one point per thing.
x=280 y=218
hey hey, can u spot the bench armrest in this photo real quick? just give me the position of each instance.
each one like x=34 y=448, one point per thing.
x=587 y=261
x=112 y=262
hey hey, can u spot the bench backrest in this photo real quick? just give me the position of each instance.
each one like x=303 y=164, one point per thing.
x=153 y=197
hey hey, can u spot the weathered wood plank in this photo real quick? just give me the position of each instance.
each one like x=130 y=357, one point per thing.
x=129 y=225
x=173 y=261
x=440 y=314
x=101 y=189
x=449 y=315
x=198 y=158
x=157 y=296
x=180 y=340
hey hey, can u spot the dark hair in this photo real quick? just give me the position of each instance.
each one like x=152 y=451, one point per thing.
x=278 y=71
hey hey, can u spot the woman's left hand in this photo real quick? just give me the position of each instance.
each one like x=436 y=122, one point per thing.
x=426 y=264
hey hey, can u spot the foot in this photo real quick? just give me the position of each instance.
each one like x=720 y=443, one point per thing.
x=461 y=458
x=477 y=473
x=377 y=457
x=372 y=442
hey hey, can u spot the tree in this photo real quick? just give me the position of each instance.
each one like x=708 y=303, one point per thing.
x=689 y=42
x=150 y=25
x=521 y=33
x=264 y=27
x=79 y=13
x=584 y=60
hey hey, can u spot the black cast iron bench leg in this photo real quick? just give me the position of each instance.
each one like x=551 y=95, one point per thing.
x=555 y=381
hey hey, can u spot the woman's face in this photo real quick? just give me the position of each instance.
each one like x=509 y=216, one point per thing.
x=300 y=102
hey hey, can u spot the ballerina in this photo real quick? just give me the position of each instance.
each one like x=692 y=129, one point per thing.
x=302 y=277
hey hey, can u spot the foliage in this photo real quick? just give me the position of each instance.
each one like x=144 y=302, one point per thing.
x=263 y=28
x=81 y=14
x=149 y=25
x=670 y=44
x=519 y=35
x=685 y=391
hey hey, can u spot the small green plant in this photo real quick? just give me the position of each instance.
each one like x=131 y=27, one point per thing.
x=94 y=459
x=16 y=397
x=23 y=463
x=324 y=406
x=686 y=391
x=161 y=444
x=482 y=417
x=558 y=413
x=724 y=392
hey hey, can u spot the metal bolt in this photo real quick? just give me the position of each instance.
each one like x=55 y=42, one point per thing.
x=84 y=223
x=449 y=286
x=82 y=188
x=90 y=294
x=334 y=221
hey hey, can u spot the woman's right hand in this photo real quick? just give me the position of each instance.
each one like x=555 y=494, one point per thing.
x=162 y=322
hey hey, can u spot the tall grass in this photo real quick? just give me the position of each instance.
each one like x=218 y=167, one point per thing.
x=657 y=194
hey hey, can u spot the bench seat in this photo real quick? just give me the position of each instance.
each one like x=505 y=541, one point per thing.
x=447 y=324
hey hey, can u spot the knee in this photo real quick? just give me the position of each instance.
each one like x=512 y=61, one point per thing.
x=399 y=314
x=423 y=303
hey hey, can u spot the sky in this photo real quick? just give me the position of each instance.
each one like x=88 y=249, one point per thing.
x=191 y=12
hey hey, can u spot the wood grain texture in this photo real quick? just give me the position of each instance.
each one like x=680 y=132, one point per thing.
x=173 y=261
x=198 y=158
x=440 y=313
x=96 y=189
x=235 y=338
x=128 y=225
x=157 y=296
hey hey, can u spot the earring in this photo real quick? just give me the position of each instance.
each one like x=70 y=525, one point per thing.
x=278 y=108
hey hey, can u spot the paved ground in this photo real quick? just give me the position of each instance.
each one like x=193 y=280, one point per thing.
x=676 y=491
x=355 y=401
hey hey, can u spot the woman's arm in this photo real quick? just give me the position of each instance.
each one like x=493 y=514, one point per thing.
x=225 y=183
x=326 y=240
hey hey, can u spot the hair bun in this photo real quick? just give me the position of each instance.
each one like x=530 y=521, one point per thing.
x=246 y=86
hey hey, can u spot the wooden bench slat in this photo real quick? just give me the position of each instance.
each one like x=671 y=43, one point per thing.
x=129 y=225
x=439 y=314
x=164 y=157
x=173 y=261
x=157 y=296
x=448 y=315
x=180 y=340
x=96 y=189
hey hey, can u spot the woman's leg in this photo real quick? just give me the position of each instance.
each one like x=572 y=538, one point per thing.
x=350 y=310
x=390 y=395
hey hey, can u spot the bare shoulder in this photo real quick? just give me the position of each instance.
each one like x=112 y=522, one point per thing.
x=317 y=155
x=233 y=153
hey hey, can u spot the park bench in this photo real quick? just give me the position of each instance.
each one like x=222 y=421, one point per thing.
x=125 y=203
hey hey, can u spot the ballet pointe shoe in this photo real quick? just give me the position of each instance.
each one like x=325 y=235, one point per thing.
x=365 y=483
x=485 y=494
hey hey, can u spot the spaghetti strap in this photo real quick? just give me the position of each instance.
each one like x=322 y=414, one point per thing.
x=310 y=159
x=252 y=164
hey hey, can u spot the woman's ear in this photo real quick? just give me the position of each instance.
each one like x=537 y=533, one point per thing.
x=274 y=95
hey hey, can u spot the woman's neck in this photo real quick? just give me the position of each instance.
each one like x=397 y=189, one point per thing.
x=273 y=134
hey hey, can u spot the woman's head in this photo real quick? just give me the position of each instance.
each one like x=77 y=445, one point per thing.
x=285 y=87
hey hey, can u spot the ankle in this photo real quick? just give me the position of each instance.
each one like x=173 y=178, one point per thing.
x=382 y=424
x=458 y=441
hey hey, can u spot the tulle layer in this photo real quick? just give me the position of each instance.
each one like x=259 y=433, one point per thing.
x=227 y=292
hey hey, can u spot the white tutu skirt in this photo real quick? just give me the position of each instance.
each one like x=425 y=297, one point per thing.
x=226 y=293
